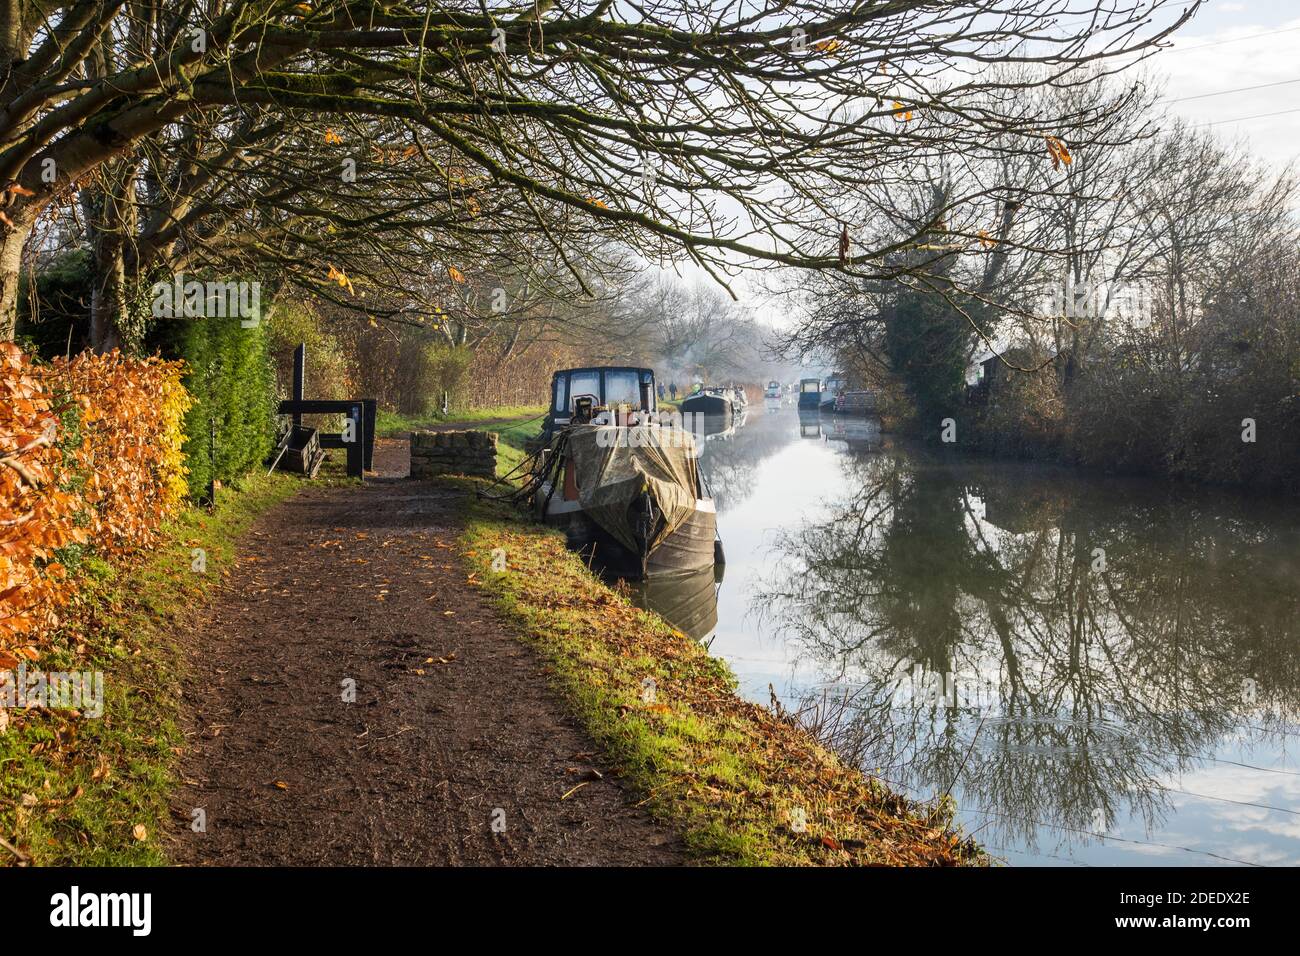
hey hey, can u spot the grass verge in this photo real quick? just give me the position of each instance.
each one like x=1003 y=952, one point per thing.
x=743 y=784
x=388 y=424
x=82 y=791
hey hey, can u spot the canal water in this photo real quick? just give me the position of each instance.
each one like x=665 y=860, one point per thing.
x=1098 y=671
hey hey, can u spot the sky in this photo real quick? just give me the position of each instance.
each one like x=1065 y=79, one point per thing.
x=1226 y=47
x=1231 y=45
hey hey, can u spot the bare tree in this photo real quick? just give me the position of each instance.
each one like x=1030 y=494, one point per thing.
x=642 y=118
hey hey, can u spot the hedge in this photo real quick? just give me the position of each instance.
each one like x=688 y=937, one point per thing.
x=231 y=379
x=90 y=459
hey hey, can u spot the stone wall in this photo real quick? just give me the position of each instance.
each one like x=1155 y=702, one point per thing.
x=453 y=453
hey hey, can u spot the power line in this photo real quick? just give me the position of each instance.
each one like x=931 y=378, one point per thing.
x=1252 y=36
x=1240 y=89
x=1242 y=119
x=1240 y=803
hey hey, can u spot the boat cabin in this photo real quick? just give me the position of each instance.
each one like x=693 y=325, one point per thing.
x=584 y=391
x=810 y=392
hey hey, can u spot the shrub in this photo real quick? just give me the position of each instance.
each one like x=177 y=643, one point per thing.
x=328 y=375
x=231 y=381
x=37 y=515
x=91 y=453
x=128 y=467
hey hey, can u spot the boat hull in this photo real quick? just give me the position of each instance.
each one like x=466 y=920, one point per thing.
x=689 y=548
x=710 y=406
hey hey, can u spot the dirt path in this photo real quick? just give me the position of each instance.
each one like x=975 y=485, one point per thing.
x=453 y=721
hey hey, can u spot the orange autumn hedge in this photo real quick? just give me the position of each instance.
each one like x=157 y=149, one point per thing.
x=90 y=460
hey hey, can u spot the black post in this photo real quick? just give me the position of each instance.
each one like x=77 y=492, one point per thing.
x=299 y=376
x=357 y=447
x=372 y=412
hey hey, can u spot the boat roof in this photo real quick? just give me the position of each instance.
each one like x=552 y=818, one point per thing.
x=604 y=368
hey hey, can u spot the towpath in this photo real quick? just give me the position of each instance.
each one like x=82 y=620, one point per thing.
x=454 y=750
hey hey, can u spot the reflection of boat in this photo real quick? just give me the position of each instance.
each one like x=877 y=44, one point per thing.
x=719 y=428
x=810 y=423
x=687 y=600
x=810 y=393
x=858 y=433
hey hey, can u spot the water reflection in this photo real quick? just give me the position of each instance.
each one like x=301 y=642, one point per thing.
x=1067 y=657
x=687 y=600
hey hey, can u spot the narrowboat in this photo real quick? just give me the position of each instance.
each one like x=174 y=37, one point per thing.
x=773 y=390
x=810 y=393
x=625 y=488
x=624 y=389
x=855 y=402
x=831 y=390
x=711 y=403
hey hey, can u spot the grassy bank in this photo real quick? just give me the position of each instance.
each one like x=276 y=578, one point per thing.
x=510 y=446
x=82 y=791
x=388 y=424
x=744 y=785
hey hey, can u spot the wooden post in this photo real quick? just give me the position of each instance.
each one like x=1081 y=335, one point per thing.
x=357 y=447
x=299 y=376
x=371 y=406
x=212 y=461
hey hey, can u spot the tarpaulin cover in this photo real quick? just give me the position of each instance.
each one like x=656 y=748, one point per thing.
x=614 y=465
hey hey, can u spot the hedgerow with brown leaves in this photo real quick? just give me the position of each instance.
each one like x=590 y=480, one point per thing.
x=90 y=461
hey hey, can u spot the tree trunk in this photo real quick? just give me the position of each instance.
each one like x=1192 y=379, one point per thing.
x=107 y=295
x=112 y=217
x=11 y=262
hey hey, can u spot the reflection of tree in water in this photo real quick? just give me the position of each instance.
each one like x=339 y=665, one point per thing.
x=1077 y=691
x=732 y=458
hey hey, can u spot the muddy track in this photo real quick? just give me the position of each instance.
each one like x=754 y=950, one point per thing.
x=453 y=727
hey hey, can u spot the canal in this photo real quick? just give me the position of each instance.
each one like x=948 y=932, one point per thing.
x=1097 y=670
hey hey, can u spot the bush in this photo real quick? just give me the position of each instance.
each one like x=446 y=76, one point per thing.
x=328 y=376
x=231 y=381
x=56 y=318
x=92 y=461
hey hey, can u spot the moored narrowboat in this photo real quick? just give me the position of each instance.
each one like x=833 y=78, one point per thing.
x=810 y=393
x=711 y=403
x=855 y=402
x=831 y=390
x=629 y=497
